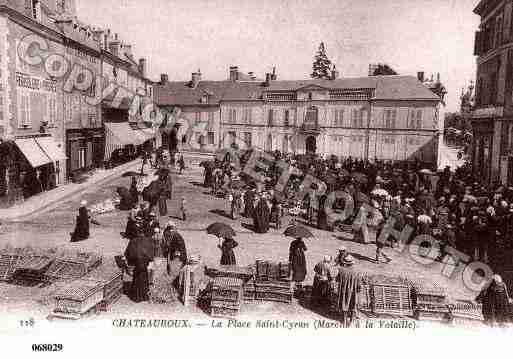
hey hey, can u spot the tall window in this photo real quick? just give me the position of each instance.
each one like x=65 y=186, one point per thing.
x=247 y=116
x=271 y=117
x=197 y=117
x=311 y=118
x=415 y=119
x=390 y=118
x=24 y=118
x=286 y=120
x=357 y=118
x=211 y=118
x=498 y=31
x=232 y=114
x=338 y=118
x=210 y=138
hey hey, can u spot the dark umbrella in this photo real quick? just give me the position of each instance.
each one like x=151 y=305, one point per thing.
x=133 y=174
x=297 y=231
x=221 y=230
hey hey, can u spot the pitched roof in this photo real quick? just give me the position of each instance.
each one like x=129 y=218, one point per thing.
x=385 y=88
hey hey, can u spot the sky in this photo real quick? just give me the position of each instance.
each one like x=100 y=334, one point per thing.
x=179 y=37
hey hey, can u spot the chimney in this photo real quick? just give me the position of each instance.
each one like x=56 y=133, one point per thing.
x=274 y=77
x=142 y=67
x=195 y=78
x=268 y=78
x=114 y=46
x=164 y=79
x=334 y=73
x=420 y=76
x=128 y=49
x=438 y=77
x=234 y=73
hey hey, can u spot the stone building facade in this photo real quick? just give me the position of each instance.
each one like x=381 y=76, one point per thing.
x=384 y=117
x=492 y=115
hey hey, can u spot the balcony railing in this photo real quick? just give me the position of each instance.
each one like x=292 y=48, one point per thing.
x=280 y=97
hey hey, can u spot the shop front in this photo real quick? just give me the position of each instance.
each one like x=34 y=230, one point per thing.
x=483 y=149
x=32 y=164
x=124 y=142
x=85 y=148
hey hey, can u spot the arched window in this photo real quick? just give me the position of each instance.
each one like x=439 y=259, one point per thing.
x=269 y=143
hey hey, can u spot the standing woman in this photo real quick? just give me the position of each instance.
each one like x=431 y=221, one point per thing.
x=81 y=232
x=298 y=261
x=139 y=253
x=227 y=254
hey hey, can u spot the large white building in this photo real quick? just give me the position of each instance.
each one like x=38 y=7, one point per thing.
x=383 y=117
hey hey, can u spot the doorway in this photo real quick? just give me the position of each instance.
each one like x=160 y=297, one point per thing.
x=311 y=145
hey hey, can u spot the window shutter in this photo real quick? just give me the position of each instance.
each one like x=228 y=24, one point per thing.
x=477 y=43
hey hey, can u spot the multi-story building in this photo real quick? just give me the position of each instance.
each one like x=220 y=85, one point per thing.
x=48 y=130
x=383 y=117
x=493 y=109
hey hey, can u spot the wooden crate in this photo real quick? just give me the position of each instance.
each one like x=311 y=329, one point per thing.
x=8 y=265
x=243 y=273
x=391 y=299
x=273 y=296
x=109 y=277
x=189 y=284
x=221 y=312
x=79 y=296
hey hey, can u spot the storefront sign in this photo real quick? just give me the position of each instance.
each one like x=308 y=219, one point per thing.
x=35 y=83
x=488 y=112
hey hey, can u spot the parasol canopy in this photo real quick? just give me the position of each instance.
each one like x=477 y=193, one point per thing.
x=425 y=171
x=380 y=192
x=221 y=230
x=297 y=231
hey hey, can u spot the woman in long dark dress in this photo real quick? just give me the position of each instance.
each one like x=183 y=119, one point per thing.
x=322 y=217
x=227 y=254
x=126 y=200
x=134 y=193
x=81 y=232
x=298 y=261
x=139 y=253
x=321 y=289
x=496 y=301
x=131 y=225
x=261 y=216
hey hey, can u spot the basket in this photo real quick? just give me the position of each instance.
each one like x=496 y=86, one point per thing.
x=274 y=296
x=243 y=273
x=79 y=296
x=466 y=312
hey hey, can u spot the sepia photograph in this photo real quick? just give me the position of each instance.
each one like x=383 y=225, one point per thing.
x=306 y=167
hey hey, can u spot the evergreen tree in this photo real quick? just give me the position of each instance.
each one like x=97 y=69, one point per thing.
x=321 y=64
x=384 y=70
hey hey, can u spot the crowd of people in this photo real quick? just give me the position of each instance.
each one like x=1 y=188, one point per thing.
x=451 y=206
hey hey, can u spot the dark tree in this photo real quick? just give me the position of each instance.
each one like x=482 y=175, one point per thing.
x=321 y=65
x=384 y=70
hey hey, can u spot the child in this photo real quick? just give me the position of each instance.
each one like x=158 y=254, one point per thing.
x=182 y=209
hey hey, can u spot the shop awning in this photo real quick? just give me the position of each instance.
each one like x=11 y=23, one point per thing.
x=51 y=148
x=33 y=152
x=122 y=133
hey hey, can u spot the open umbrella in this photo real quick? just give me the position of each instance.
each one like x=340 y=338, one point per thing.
x=221 y=230
x=297 y=231
x=133 y=174
x=425 y=171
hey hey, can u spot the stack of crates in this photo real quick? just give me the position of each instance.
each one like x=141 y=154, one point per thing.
x=272 y=282
x=226 y=297
x=430 y=302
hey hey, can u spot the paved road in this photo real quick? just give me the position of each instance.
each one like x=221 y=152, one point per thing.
x=51 y=229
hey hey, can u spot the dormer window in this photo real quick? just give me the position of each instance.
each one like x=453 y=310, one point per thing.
x=36 y=9
x=310 y=96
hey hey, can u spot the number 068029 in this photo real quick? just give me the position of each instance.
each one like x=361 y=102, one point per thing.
x=47 y=347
